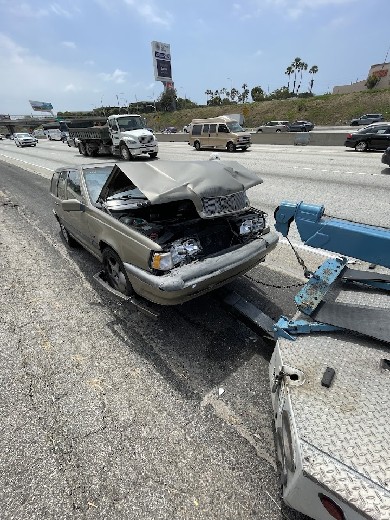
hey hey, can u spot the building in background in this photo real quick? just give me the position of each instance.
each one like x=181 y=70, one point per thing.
x=380 y=71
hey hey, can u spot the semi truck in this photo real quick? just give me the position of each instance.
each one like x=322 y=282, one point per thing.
x=121 y=135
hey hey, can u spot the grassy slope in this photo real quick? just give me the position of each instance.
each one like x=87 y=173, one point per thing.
x=329 y=109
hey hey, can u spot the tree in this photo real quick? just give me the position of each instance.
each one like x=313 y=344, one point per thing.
x=244 y=93
x=257 y=94
x=303 y=66
x=372 y=81
x=295 y=65
x=167 y=100
x=313 y=70
x=280 y=93
x=288 y=72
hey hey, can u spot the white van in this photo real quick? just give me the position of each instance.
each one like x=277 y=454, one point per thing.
x=218 y=132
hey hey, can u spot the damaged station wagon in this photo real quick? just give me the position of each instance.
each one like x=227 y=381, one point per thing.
x=169 y=231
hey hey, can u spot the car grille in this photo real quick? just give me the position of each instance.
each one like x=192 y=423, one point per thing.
x=213 y=206
x=146 y=139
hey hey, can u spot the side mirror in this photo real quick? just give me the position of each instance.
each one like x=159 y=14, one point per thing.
x=72 y=205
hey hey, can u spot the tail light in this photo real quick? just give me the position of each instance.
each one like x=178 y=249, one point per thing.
x=333 y=509
x=349 y=136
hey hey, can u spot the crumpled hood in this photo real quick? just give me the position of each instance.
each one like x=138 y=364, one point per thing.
x=166 y=181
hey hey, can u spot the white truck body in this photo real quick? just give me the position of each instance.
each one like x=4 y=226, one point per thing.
x=333 y=441
x=123 y=135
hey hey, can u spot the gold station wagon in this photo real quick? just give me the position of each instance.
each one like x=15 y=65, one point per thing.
x=168 y=231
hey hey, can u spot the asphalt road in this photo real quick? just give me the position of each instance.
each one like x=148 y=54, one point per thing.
x=111 y=410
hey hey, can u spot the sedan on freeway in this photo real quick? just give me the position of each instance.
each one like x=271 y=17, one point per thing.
x=24 y=139
x=273 y=126
x=168 y=232
x=372 y=137
x=300 y=126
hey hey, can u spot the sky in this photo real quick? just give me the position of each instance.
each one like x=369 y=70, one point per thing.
x=82 y=54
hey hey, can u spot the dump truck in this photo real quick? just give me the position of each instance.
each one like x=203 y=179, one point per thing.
x=122 y=135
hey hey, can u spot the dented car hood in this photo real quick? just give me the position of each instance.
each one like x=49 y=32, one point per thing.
x=166 y=181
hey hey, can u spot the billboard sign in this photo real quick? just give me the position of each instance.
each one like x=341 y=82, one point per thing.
x=162 y=61
x=41 y=106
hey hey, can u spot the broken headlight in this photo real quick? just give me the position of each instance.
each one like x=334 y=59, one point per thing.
x=250 y=224
x=181 y=252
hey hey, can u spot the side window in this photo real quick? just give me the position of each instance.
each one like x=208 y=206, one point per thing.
x=73 y=190
x=213 y=129
x=61 y=184
x=223 y=129
x=54 y=182
x=114 y=125
x=196 y=129
x=205 y=129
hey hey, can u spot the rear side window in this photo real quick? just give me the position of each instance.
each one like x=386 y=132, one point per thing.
x=196 y=130
x=61 y=185
x=213 y=128
x=206 y=129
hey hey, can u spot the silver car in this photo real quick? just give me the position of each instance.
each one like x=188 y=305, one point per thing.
x=24 y=139
x=168 y=231
x=274 y=126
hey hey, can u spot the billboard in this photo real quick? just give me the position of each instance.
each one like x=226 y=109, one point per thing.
x=41 y=106
x=162 y=61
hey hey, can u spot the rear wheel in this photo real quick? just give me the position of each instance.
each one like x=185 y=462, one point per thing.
x=361 y=146
x=90 y=150
x=153 y=155
x=83 y=149
x=259 y=131
x=125 y=153
x=231 y=147
x=197 y=145
x=278 y=131
x=115 y=272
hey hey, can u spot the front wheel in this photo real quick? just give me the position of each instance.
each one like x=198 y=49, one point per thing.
x=153 y=155
x=278 y=131
x=231 y=147
x=83 y=149
x=361 y=146
x=115 y=272
x=125 y=153
x=67 y=237
x=197 y=145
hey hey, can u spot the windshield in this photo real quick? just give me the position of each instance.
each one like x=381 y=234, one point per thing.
x=23 y=135
x=234 y=127
x=95 y=179
x=130 y=123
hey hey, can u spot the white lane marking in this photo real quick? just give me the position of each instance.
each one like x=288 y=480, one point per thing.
x=26 y=162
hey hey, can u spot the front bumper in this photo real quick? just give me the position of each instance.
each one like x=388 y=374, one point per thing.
x=191 y=280
x=143 y=148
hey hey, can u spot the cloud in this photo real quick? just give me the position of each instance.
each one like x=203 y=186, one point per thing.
x=118 y=76
x=70 y=45
x=296 y=8
x=150 y=12
x=259 y=52
x=25 y=10
x=60 y=11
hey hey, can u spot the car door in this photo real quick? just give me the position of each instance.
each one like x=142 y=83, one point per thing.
x=205 y=138
x=381 y=139
x=76 y=222
x=213 y=139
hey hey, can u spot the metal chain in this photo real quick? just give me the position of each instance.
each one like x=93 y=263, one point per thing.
x=273 y=285
x=306 y=272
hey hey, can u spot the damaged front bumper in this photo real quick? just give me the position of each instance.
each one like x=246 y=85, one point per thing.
x=190 y=280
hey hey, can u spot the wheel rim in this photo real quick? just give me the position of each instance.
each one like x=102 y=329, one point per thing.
x=360 y=147
x=125 y=153
x=197 y=146
x=117 y=278
x=65 y=233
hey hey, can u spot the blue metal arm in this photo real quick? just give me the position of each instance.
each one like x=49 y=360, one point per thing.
x=368 y=243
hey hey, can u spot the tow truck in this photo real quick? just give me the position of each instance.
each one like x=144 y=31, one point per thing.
x=330 y=373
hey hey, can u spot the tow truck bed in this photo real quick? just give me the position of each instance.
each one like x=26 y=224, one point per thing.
x=335 y=440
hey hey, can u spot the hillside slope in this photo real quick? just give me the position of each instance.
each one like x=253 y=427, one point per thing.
x=329 y=109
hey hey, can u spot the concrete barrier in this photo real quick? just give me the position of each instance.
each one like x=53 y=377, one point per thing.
x=284 y=138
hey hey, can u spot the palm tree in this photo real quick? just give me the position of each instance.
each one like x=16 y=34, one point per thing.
x=208 y=93
x=288 y=72
x=313 y=70
x=303 y=66
x=296 y=64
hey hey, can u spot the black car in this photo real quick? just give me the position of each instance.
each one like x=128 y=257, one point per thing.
x=372 y=137
x=386 y=157
x=300 y=126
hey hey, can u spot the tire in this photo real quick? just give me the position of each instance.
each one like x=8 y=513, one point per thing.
x=259 y=131
x=278 y=131
x=115 y=272
x=361 y=146
x=231 y=147
x=90 y=151
x=125 y=153
x=244 y=148
x=354 y=124
x=83 y=149
x=197 y=146
x=68 y=238
x=152 y=155
x=49 y=138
